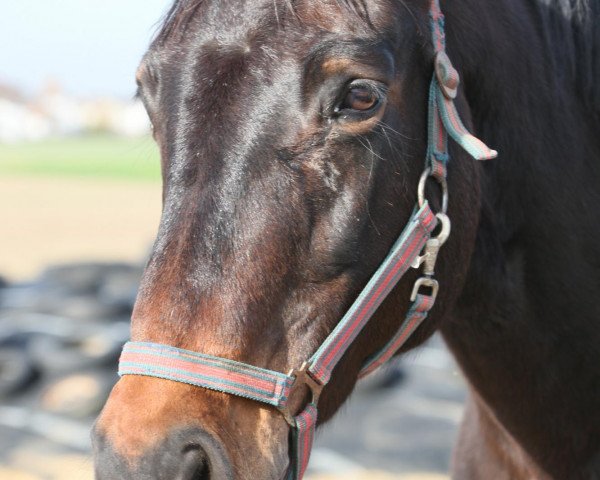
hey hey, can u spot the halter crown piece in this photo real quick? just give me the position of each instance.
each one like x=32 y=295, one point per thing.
x=274 y=388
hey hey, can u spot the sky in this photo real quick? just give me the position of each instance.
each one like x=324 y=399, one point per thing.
x=92 y=47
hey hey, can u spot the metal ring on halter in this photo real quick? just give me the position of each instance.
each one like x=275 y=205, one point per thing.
x=443 y=184
x=302 y=378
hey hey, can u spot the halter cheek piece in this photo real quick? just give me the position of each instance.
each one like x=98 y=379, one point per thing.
x=274 y=388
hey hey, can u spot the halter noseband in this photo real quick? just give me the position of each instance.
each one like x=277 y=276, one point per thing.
x=274 y=388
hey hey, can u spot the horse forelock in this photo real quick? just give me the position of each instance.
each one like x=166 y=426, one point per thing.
x=182 y=12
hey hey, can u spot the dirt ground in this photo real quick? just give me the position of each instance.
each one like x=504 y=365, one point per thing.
x=45 y=220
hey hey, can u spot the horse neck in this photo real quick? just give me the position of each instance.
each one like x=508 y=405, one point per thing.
x=526 y=329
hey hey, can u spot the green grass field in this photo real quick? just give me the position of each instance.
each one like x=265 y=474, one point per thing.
x=94 y=156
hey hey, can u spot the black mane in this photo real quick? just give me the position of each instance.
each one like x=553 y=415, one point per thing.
x=177 y=18
x=573 y=28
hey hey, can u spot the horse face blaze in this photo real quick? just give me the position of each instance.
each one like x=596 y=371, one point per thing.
x=279 y=135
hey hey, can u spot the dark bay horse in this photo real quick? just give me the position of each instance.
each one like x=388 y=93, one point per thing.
x=292 y=135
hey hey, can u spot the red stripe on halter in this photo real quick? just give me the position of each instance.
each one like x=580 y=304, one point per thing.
x=198 y=369
x=342 y=342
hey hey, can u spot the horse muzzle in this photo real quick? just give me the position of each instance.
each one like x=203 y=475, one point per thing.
x=189 y=454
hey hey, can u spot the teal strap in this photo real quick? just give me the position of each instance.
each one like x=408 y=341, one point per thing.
x=215 y=373
x=417 y=313
x=455 y=128
x=406 y=249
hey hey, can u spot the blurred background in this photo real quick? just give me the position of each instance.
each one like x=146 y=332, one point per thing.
x=79 y=207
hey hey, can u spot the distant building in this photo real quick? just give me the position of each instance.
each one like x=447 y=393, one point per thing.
x=19 y=122
x=109 y=115
x=55 y=113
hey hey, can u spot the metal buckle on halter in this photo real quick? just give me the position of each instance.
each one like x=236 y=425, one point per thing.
x=425 y=282
x=429 y=259
x=433 y=245
x=302 y=377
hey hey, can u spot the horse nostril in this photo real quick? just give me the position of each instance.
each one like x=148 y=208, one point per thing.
x=190 y=454
x=195 y=464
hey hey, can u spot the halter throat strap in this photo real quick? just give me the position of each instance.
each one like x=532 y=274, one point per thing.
x=414 y=248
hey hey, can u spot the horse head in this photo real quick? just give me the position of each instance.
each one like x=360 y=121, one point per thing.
x=292 y=139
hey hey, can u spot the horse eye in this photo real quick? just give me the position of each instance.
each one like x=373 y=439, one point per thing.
x=360 y=98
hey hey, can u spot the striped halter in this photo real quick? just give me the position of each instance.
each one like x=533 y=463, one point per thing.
x=274 y=388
